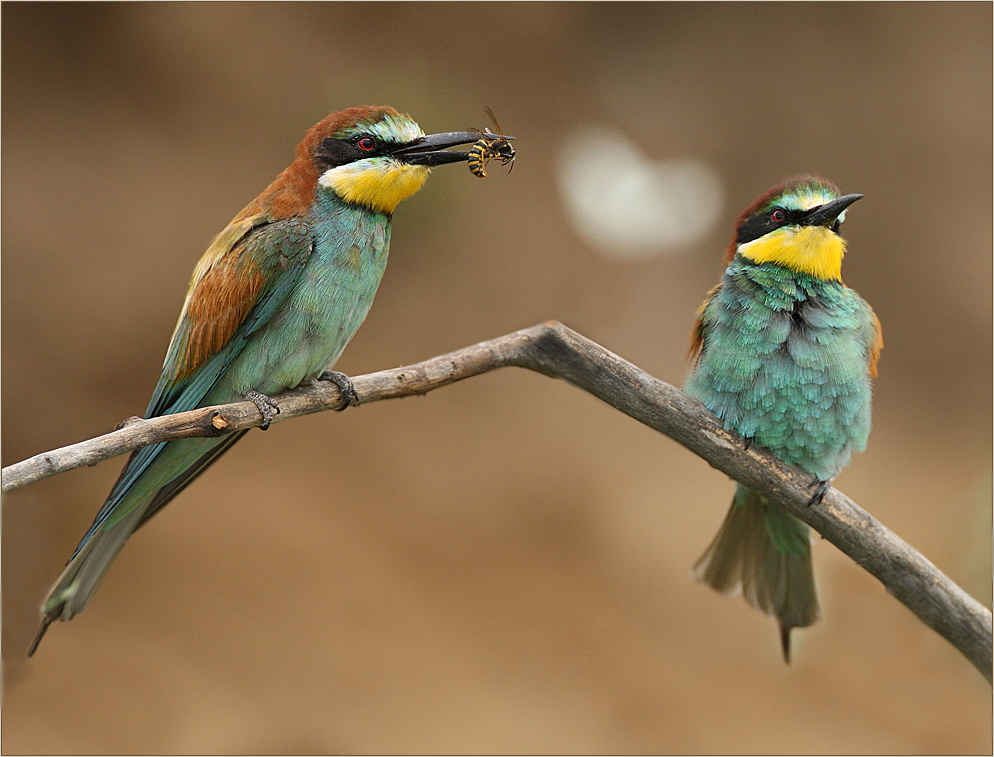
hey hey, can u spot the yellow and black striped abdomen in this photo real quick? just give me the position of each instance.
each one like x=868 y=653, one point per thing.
x=479 y=154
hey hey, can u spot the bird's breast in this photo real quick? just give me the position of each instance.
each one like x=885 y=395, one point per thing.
x=789 y=370
x=326 y=307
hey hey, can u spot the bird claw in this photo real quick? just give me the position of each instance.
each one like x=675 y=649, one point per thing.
x=821 y=487
x=266 y=407
x=345 y=386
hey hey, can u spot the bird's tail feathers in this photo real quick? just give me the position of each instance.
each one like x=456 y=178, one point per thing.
x=75 y=587
x=766 y=553
x=132 y=501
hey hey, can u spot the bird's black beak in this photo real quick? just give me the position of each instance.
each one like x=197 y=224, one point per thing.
x=431 y=150
x=825 y=215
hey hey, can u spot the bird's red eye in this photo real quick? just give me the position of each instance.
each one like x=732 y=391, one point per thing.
x=367 y=144
x=778 y=215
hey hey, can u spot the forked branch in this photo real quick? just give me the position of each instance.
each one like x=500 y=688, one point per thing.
x=556 y=351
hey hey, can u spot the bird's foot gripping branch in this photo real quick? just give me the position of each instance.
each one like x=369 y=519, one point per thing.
x=558 y=352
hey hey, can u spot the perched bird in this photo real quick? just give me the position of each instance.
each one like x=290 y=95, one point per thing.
x=272 y=303
x=783 y=354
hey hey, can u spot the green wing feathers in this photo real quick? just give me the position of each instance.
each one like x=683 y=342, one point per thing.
x=239 y=285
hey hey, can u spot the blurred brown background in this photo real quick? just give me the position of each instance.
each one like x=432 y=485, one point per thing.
x=504 y=565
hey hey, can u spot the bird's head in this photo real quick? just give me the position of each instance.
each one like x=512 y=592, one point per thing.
x=376 y=157
x=796 y=225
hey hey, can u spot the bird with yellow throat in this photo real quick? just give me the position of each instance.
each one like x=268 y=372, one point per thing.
x=784 y=354
x=272 y=304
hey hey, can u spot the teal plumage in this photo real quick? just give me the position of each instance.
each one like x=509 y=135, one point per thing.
x=785 y=364
x=272 y=304
x=785 y=359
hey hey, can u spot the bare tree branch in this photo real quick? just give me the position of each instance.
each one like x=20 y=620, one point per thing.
x=558 y=352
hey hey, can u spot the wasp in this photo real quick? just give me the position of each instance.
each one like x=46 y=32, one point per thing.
x=489 y=147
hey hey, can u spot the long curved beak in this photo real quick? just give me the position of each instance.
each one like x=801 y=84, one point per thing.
x=825 y=215
x=431 y=150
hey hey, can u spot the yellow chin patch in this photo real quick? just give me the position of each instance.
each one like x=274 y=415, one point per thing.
x=814 y=250
x=380 y=184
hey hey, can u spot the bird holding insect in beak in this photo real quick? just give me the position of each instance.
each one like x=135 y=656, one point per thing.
x=272 y=303
x=491 y=146
x=784 y=354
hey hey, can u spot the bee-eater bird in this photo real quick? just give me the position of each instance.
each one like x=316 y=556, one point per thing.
x=784 y=354
x=272 y=303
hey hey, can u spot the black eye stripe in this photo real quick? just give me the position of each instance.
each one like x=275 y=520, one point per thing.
x=763 y=223
x=333 y=152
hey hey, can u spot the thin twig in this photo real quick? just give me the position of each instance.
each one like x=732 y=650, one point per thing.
x=558 y=352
